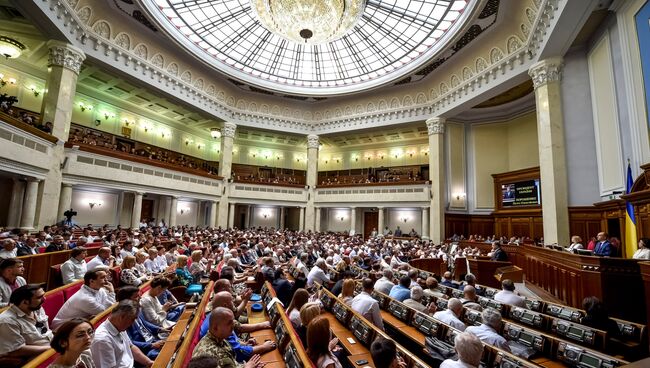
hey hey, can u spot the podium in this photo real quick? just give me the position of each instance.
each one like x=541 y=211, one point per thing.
x=513 y=273
x=484 y=271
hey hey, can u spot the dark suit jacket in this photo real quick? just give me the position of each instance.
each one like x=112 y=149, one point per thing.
x=603 y=249
x=500 y=255
x=136 y=336
x=24 y=250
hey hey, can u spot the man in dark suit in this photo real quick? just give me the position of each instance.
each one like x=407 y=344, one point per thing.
x=603 y=246
x=143 y=334
x=498 y=254
x=509 y=194
x=28 y=248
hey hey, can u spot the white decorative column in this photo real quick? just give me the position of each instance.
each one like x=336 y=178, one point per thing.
x=15 y=203
x=436 y=130
x=249 y=216
x=64 y=63
x=231 y=216
x=425 y=223
x=213 y=214
x=168 y=209
x=173 y=209
x=312 y=176
x=318 y=215
x=353 y=220
x=225 y=170
x=29 y=204
x=547 y=75
x=301 y=222
x=380 y=220
x=281 y=217
x=65 y=200
x=137 y=210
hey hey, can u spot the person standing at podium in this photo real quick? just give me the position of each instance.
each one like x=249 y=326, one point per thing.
x=603 y=246
x=498 y=254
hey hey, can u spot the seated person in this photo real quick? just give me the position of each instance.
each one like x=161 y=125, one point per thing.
x=111 y=346
x=487 y=331
x=281 y=286
x=153 y=311
x=225 y=299
x=398 y=232
x=384 y=354
x=401 y=291
x=447 y=281
x=451 y=315
x=597 y=316
x=25 y=332
x=74 y=268
x=366 y=305
x=317 y=274
x=432 y=288
x=321 y=345
x=300 y=298
x=507 y=294
x=347 y=292
x=150 y=263
x=415 y=301
x=72 y=341
x=470 y=299
x=215 y=344
x=94 y=297
x=130 y=274
x=11 y=271
x=143 y=334
x=308 y=312
x=104 y=259
x=385 y=284
x=469 y=349
x=199 y=269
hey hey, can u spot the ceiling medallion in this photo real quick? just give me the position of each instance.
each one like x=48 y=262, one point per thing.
x=309 y=21
x=10 y=48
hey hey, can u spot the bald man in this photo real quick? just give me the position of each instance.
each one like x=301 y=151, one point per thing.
x=103 y=259
x=214 y=344
x=224 y=299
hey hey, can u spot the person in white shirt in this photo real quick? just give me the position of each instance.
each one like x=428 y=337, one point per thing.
x=451 y=315
x=74 y=268
x=507 y=294
x=317 y=273
x=644 y=249
x=367 y=306
x=94 y=297
x=127 y=249
x=153 y=311
x=8 y=249
x=150 y=263
x=103 y=260
x=487 y=331
x=384 y=284
x=11 y=271
x=111 y=346
x=87 y=237
x=576 y=243
x=469 y=349
x=302 y=264
x=415 y=301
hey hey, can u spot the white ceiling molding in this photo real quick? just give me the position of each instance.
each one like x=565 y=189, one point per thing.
x=502 y=69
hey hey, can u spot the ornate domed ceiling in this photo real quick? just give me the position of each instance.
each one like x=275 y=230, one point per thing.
x=377 y=44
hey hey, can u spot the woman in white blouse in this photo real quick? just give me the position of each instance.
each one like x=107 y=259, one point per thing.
x=576 y=243
x=153 y=311
x=644 y=249
x=130 y=274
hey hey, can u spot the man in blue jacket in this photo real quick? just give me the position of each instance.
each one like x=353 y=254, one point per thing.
x=143 y=334
x=603 y=247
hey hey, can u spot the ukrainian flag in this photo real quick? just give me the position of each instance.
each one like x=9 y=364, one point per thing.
x=630 y=222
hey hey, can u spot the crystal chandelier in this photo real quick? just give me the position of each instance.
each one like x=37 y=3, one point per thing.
x=309 y=21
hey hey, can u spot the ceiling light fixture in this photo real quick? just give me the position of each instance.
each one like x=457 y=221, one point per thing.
x=309 y=21
x=215 y=133
x=10 y=48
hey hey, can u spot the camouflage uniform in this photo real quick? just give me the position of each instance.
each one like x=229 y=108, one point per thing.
x=210 y=346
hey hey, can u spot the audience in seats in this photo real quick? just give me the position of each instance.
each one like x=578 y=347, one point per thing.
x=8 y=249
x=26 y=248
x=597 y=316
x=320 y=344
x=469 y=349
x=94 y=297
x=507 y=294
x=644 y=249
x=111 y=346
x=57 y=244
x=74 y=268
x=300 y=298
x=576 y=243
x=487 y=331
x=103 y=260
x=72 y=341
x=432 y=288
x=447 y=281
x=385 y=283
x=308 y=312
x=214 y=343
x=25 y=332
x=347 y=292
x=155 y=312
x=317 y=274
x=451 y=315
x=470 y=299
x=366 y=305
x=11 y=278
x=143 y=334
x=282 y=287
x=384 y=354
x=497 y=253
x=401 y=291
x=130 y=274
x=415 y=301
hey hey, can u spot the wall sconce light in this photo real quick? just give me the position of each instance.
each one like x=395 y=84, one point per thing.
x=341 y=218
x=254 y=154
x=92 y=203
x=266 y=214
x=215 y=133
x=98 y=122
x=381 y=156
x=425 y=152
x=337 y=160
x=459 y=196
x=326 y=162
x=188 y=141
x=127 y=122
x=163 y=133
x=297 y=159
x=12 y=81
x=35 y=91
x=198 y=146
x=108 y=115
x=411 y=153
x=404 y=219
x=368 y=157
x=278 y=157
x=356 y=158
x=85 y=107
x=184 y=210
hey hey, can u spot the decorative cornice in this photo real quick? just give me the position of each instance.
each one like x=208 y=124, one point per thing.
x=65 y=55
x=312 y=141
x=229 y=130
x=545 y=71
x=436 y=125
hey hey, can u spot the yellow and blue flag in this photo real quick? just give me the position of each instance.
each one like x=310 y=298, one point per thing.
x=630 y=221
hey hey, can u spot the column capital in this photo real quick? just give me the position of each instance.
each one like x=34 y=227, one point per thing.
x=313 y=141
x=65 y=55
x=138 y=193
x=547 y=70
x=32 y=180
x=67 y=185
x=436 y=125
x=229 y=130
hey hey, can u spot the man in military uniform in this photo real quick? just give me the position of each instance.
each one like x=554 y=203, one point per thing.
x=215 y=344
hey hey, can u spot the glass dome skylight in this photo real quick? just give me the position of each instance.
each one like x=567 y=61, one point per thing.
x=391 y=39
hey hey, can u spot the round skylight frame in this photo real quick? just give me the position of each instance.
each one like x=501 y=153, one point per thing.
x=412 y=58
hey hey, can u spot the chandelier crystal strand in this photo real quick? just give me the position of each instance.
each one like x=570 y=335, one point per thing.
x=309 y=21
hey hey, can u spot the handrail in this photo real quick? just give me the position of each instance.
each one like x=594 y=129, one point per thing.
x=6 y=118
x=375 y=184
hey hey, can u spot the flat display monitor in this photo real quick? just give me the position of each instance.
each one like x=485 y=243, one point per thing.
x=521 y=194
